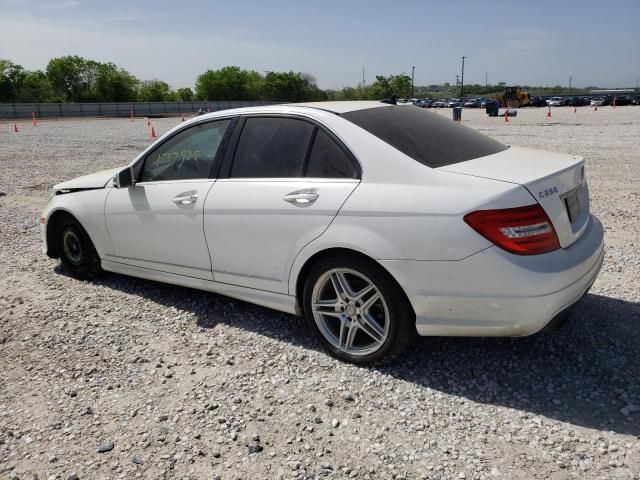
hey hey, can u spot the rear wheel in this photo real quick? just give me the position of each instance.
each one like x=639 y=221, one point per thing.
x=357 y=310
x=77 y=253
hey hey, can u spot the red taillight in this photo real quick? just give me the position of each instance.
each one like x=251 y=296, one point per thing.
x=522 y=230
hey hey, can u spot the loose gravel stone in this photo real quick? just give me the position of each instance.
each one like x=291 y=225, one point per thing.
x=105 y=447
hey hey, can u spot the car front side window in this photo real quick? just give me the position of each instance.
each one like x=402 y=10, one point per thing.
x=190 y=154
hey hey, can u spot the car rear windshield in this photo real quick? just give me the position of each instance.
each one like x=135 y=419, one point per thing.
x=423 y=135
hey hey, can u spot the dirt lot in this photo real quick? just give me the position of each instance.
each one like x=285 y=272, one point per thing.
x=126 y=378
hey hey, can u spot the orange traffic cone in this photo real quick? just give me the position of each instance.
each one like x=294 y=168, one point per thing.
x=183 y=118
x=131 y=116
x=549 y=112
x=33 y=118
x=148 y=122
x=575 y=110
x=153 y=133
x=595 y=109
x=15 y=128
x=506 y=116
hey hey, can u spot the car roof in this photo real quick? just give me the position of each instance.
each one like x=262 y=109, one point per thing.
x=340 y=107
x=337 y=108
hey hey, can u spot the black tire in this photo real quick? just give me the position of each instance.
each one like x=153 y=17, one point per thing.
x=402 y=328
x=77 y=253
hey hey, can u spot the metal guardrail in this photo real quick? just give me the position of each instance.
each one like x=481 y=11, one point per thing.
x=118 y=109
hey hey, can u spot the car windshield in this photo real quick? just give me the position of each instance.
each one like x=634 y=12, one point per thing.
x=424 y=136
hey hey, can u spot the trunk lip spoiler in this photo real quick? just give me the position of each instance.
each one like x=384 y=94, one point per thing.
x=580 y=161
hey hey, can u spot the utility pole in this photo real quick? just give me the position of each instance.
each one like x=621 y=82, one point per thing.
x=462 y=80
x=413 y=71
x=363 y=84
x=570 y=78
x=486 y=79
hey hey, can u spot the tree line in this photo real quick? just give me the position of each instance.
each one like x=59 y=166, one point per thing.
x=76 y=79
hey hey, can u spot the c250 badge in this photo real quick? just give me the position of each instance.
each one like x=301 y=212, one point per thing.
x=547 y=192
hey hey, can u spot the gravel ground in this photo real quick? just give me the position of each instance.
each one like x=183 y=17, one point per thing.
x=125 y=378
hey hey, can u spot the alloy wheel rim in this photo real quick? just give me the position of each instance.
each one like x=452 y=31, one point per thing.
x=350 y=312
x=72 y=247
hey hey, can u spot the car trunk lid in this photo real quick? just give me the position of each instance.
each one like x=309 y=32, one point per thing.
x=555 y=180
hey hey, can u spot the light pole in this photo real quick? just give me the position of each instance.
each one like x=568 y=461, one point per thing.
x=413 y=71
x=462 y=79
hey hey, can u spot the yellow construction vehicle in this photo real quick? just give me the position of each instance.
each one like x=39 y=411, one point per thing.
x=513 y=97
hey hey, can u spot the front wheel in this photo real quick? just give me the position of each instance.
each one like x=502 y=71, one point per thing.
x=357 y=310
x=77 y=253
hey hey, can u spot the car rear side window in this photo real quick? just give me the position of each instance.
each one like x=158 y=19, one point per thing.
x=423 y=135
x=271 y=147
x=328 y=160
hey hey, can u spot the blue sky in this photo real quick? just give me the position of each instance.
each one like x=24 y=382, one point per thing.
x=534 y=42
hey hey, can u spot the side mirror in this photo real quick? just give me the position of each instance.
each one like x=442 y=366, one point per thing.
x=124 y=178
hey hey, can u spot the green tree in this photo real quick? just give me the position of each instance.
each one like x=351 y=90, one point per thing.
x=11 y=77
x=184 y=94
x=73 y=77
x=291 y=87
x=113 y=84
x=347 y=93
x=229 y=83
x=35 y=87
x=385 y=87
x=155 y=91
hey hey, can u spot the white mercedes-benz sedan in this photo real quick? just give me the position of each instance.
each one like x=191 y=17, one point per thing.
x=372 y=220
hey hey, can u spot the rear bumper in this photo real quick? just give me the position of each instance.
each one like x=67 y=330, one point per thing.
x=495 y=293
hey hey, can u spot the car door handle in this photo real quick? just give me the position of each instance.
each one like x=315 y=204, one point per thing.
x=302 y=197
x=186 y=198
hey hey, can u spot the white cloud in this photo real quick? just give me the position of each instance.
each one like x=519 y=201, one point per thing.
x=12 y=3
x=61 y=5
x=174 y=57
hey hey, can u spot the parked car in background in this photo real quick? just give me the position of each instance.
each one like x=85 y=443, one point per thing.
x=538 y=101
x=375 y=222
x=454 y=102
x=635 y=100
x=440 y=103
x=424 y=103
x=599 y=102
x=557 y=102
x=484 y=101
x=576 y=102
x=622 y=100
x=472 y=103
